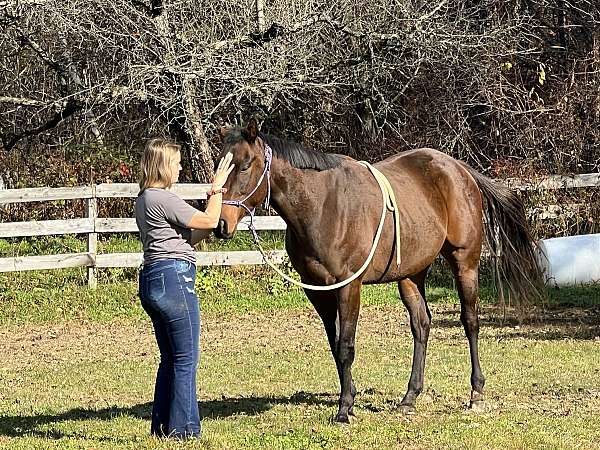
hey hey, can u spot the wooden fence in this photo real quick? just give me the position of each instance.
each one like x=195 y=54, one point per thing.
x=92 y=225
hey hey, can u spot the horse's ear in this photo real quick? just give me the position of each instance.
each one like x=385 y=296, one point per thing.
x=222 y=132
x=251 y=131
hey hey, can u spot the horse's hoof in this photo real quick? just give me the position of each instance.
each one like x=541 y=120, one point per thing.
x=477 y=406
x=342 y=418
x=351 y=412
x=408 y=410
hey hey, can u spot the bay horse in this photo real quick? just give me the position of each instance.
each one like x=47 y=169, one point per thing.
x=332 y=206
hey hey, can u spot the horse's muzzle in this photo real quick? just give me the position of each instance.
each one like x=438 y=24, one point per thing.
x=221 y=230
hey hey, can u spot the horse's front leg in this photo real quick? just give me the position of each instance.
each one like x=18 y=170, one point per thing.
x=325 y=303
x=348 y=299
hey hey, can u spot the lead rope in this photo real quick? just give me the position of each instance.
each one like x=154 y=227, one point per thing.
x=389 y=203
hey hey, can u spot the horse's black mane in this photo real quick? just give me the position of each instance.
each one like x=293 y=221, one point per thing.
x=296 y=154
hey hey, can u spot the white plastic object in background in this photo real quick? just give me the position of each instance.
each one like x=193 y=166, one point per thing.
x=572 y=260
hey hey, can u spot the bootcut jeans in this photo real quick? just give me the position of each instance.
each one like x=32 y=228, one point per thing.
x=166 y=290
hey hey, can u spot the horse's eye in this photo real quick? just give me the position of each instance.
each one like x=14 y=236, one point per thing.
x=246 y=167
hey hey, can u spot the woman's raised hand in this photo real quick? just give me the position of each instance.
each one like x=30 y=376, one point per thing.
x=223 y=170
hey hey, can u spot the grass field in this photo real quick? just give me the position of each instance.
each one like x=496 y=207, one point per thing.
x=78 y=369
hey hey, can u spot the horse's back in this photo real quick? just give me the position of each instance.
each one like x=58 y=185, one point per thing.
x=429 y=182
x=431 y=170
x=421 y=164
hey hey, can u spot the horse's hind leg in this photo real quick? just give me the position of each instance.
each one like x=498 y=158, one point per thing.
x=412 y=292
x=465 y=266
x=325 y=303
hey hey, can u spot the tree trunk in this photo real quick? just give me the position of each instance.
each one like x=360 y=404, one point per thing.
x=260 y=16
x=198 y=149
x=190 y=129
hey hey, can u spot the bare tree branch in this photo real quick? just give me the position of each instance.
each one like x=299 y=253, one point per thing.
x=484 y=81
x=41 y=53
x=24 y=101
x=8 y=142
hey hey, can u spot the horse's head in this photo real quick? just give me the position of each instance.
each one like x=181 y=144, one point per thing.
x=247 y=186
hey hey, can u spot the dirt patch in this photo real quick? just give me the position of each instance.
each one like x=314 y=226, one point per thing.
x=55 y=344
x=285 y=329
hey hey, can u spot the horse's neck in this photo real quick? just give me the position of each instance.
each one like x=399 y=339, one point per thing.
x=297 y=194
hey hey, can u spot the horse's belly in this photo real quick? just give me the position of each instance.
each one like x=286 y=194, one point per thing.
x=395 y=273
x=415 y=256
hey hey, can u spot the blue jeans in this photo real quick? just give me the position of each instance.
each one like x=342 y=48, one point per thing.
x=167 y=294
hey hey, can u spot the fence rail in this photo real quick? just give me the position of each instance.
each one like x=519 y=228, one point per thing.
x=23 y=263
x=92 y=225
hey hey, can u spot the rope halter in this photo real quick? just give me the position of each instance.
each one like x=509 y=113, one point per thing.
x=265 y=174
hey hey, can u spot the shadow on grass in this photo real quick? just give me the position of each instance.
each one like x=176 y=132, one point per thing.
x=571 y=313
x=33 y=426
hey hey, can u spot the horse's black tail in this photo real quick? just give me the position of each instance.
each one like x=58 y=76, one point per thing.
x=518 y=275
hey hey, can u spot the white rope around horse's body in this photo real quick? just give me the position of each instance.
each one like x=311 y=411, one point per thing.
x=389 y=202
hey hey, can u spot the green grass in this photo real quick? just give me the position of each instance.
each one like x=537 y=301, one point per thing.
x=53 y=296
x=266 y=380
x=57 y=295
x=78 y=366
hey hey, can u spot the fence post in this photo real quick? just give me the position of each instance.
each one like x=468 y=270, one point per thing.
x=91 y=211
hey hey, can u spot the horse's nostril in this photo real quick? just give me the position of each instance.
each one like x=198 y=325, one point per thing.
x=222 y=226
x=221 y=230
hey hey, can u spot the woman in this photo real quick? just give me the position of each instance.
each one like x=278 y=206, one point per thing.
x=168 y=229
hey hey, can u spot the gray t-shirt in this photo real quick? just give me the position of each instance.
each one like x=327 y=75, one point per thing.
x=162 y=219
